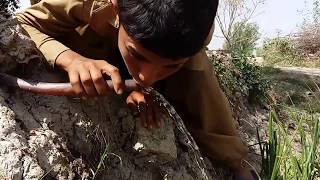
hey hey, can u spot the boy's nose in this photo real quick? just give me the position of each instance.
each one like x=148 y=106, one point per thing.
x=148 y=75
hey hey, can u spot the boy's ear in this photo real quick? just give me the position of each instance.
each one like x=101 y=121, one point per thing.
x=209 y=37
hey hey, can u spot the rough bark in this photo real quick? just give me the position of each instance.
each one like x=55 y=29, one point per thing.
x=67 y=138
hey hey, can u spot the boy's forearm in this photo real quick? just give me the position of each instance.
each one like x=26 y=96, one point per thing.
x=53 y=18
x=49 y=47
x=66 y=58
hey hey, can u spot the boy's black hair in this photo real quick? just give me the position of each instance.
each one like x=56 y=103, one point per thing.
x=170 y=28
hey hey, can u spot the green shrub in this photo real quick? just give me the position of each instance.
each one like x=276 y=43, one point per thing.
x=252 y=76
x=280 y=51
x=236 y=72
x=239 y=77
x=229 y=77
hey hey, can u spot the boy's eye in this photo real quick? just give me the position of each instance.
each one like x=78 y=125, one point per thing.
x=134 y=56
x=133 y=53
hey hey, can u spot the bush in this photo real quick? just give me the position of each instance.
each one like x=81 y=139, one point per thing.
x=252 y=76
x=236 y=72
x=239 y=78
x=229 y=77
x=280 y=51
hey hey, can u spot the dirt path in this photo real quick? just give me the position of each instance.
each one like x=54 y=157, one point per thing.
x=301 y=70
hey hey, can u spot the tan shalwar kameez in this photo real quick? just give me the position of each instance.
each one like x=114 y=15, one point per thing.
x=90 y=27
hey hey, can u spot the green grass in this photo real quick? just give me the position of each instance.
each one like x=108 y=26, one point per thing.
x=100 y=137
x=292 y=153
x=280 y=157
x=271 y=151
x=303 y=62
x=292 y=90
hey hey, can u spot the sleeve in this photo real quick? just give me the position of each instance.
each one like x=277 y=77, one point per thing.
x=50 y=19
x=196 y=95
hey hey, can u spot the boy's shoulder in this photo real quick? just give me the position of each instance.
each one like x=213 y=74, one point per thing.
x=197 y=62
x=103 y=11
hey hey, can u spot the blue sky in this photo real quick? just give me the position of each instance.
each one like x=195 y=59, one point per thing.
x=281 y=15
x=274 y=16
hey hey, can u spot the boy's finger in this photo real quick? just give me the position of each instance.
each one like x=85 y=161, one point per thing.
x=163 y=110
x=114 y=73
x=87 y=82
x=132 y=106
x=76 y=83
x=157 y=115
x=149 y=116
x=98 y=81
x=131 y=103
x=143 y=114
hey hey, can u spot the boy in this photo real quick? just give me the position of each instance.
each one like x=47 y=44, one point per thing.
x=157 y=40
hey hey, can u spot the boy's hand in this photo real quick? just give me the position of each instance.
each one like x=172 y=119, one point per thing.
x=149 y=110
x=86 y=75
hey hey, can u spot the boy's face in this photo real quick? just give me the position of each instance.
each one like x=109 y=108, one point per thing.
x=145 y=66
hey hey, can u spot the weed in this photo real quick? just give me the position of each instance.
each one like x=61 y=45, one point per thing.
x=105 y=155
x=281 y=160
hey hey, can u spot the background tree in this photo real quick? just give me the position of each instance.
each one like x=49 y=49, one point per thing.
x=307 y=39
x=241 y=36
x=243 y=39
x=234 y=11
x=316 y=11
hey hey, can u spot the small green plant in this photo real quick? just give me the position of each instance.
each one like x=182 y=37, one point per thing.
x=272 y=150
x=280 y=159
x=101 y=164
x=105 y=154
